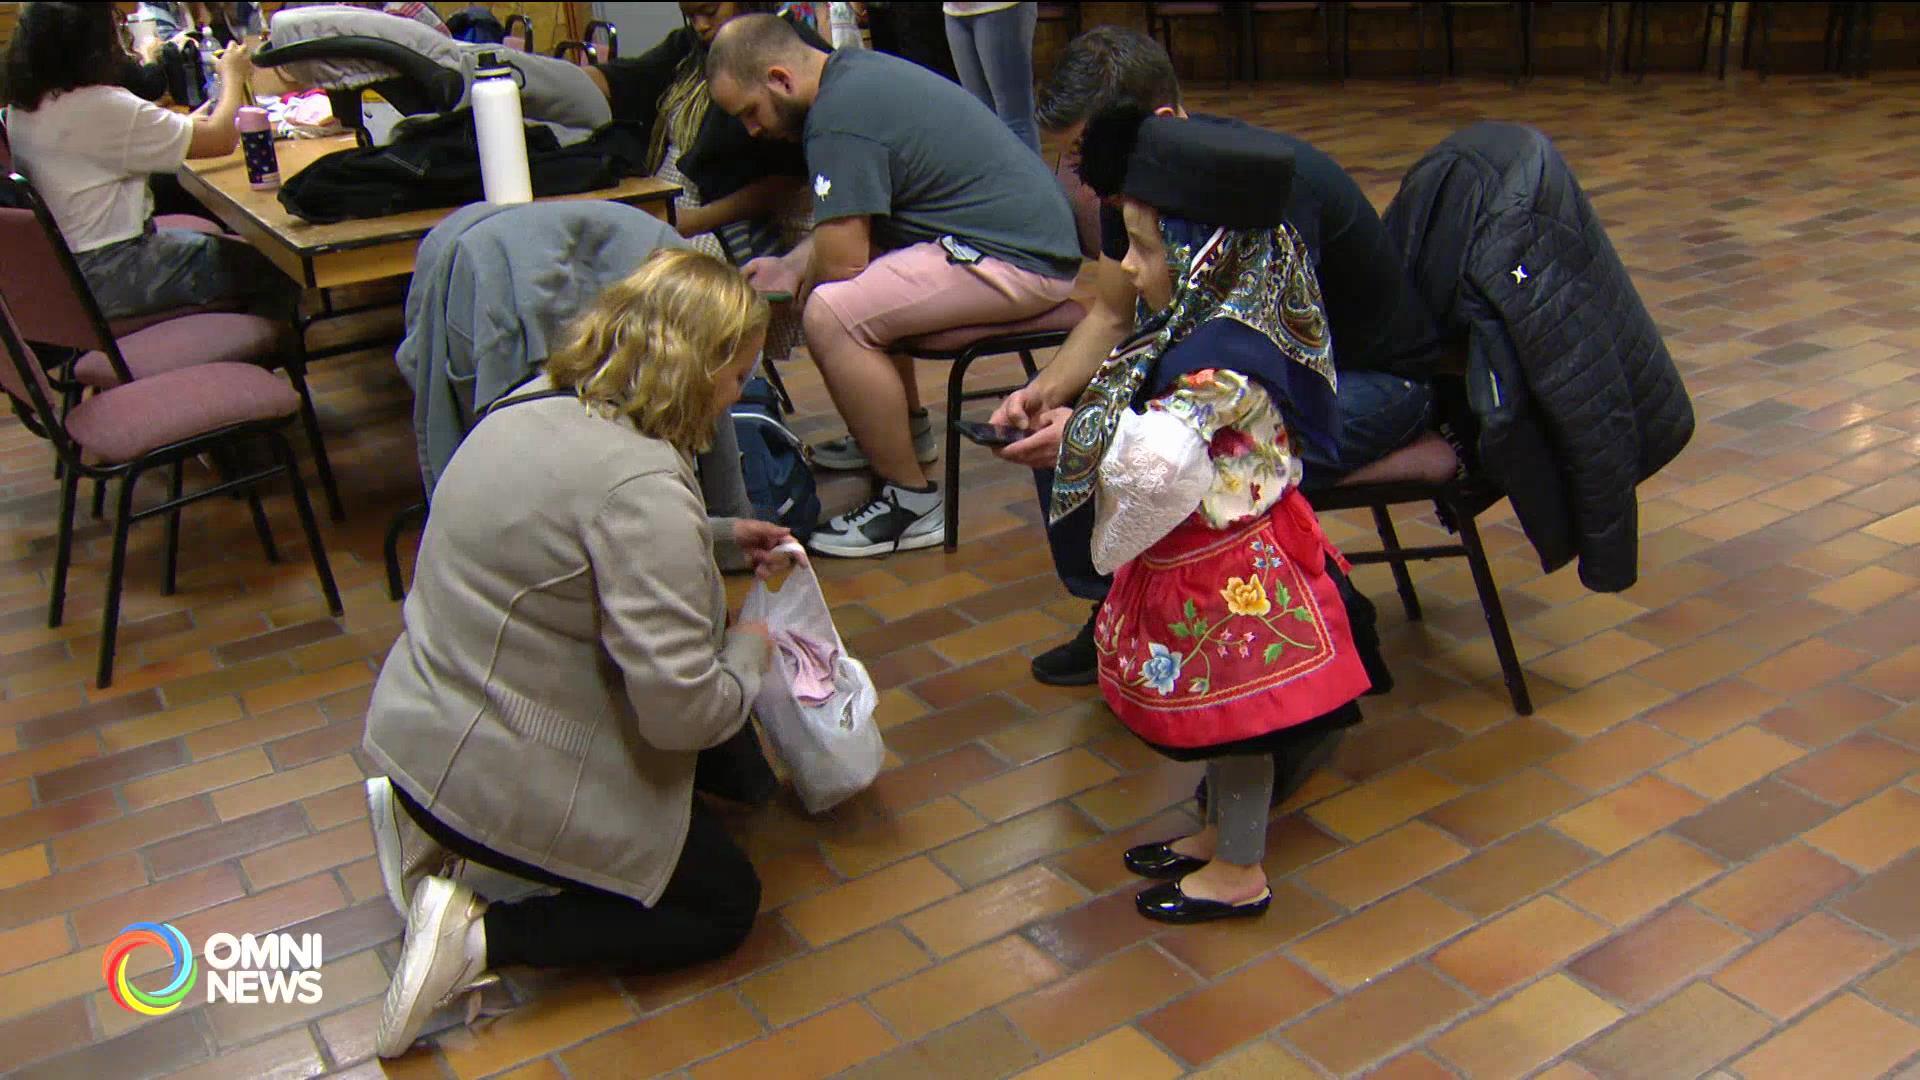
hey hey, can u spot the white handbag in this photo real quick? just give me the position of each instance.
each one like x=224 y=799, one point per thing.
x=832 y=749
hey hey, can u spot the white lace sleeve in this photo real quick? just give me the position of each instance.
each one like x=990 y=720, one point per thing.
x=1154 y=475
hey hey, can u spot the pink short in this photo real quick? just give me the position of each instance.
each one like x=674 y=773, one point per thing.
x=915 y=290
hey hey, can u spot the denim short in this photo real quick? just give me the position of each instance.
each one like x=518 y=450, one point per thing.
x=172 y=268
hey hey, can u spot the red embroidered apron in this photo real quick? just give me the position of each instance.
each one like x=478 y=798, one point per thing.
x=1214 y=635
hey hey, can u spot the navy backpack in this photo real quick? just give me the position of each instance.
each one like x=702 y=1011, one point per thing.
x=774 y=462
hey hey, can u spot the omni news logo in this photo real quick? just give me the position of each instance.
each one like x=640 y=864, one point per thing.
x=245 y=970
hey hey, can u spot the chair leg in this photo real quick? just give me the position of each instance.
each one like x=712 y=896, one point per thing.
x=1446 y=32
x=63 y=551
x=116 y=577
x=99 y=499
x=1606 y=74
x=956 y=386
x=772 y=372
x=1496 y=614
x=307 y=523
x=1027 y=364
x=260 y=526
x=1726 y=39
x=1402 y=581
x=391 y=548
x=174 y=478
x=1645 y=19
x=297 y=374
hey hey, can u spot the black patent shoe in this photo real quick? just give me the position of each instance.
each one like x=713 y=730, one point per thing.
x=1166 y=903
x=1160 y=862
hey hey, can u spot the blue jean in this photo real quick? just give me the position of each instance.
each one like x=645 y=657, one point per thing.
x=993 y=54
x=1379 y=413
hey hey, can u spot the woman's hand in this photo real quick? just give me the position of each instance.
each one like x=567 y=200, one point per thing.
x=234 y=63
x=759 y=539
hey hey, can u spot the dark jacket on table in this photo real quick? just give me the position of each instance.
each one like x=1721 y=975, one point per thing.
x=1576 y=398
x=724 y=158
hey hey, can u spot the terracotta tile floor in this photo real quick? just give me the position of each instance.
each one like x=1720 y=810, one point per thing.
x=1702 y=854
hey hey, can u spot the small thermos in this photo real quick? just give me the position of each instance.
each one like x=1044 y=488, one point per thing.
x=501 y=132
x=256 y=147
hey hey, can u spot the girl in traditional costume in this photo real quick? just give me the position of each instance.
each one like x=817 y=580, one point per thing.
x=1223 y=636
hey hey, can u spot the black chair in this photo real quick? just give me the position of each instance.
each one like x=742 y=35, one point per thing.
x=1522 y=13
x=1419 y=11
x=1323 y=13
x=961 y=347
x=1428 y=471
x=1162 y=16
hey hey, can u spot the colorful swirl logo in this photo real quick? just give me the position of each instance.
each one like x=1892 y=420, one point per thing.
x=132 y=998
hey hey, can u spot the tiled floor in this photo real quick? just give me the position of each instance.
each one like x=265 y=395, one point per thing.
x=1701 y=854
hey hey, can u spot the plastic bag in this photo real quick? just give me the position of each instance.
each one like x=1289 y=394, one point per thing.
x=833 y=749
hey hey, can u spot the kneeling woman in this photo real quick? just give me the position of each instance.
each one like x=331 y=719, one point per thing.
x=1223 y=637
x=566 y=658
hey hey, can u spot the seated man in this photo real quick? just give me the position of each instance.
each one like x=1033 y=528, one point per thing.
x=1384 y=343
x=930 y=214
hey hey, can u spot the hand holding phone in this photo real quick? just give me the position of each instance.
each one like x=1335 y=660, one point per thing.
x=991 y=435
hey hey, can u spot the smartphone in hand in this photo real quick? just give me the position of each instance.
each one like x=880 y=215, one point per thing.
x=991 y=435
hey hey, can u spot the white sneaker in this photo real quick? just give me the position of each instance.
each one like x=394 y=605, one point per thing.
x=436 y=964
x=402 y=848
x=896 y=519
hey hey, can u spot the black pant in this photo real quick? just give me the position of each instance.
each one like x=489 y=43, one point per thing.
x=706 y=912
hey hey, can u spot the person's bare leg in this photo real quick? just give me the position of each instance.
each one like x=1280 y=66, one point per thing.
x=868 y=388
x=909 y=380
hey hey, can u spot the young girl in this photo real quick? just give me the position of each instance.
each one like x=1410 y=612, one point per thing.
x=1223 y=637
x=89 y=146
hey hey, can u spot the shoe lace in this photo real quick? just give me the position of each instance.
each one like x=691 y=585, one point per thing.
x=873 y=509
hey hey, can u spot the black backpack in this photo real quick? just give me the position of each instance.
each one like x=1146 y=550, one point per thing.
x=774 y=463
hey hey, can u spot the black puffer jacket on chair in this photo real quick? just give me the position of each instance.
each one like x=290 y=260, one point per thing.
x=1576 y=397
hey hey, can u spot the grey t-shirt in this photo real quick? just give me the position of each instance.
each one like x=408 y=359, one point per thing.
x=889 y=139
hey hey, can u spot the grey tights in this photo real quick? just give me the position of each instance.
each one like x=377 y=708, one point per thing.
x=1238 y=787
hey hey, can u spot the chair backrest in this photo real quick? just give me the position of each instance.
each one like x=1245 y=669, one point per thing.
x=24 y=379
x=51 y=301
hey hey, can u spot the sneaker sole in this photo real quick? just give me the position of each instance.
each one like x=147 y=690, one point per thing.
x=435 y=904
x=867 y=551
x=380 y=810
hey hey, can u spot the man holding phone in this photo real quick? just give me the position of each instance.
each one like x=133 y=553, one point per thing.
x=929 y=214
x=1384 y=343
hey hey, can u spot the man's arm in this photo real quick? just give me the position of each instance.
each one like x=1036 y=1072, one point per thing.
x=841 y=250
x=1106 y=324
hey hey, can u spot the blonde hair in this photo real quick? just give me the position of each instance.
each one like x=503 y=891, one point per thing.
x=652 y=343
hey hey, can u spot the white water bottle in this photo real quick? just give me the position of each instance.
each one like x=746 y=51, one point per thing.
x=501 y=132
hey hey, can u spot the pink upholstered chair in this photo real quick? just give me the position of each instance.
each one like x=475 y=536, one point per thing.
x=54 y=307
x=962 y=346
x=1428 y=470
x=158 y=421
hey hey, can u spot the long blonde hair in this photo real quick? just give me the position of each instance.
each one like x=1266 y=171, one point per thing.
x=652 y=343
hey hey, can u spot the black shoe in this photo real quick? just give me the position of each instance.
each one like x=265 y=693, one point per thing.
x=1077 y=663
x=1160 y=862
x=1291 y=768
x=1166 y=903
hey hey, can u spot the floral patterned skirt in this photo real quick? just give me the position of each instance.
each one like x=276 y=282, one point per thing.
x=1215 y=636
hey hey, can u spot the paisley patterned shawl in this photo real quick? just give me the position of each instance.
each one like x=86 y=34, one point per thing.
x=1260 y=278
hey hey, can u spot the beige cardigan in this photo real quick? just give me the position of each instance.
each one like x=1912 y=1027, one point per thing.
x=565 y=654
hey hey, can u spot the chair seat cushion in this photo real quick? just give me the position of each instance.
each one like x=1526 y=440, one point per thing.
x=122 y=423
x=213 y=337
x=1427 y=460
x=133 y=324
x=1059 y=318
x=189 y=222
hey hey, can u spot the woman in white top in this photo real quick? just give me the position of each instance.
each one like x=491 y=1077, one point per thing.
x=992 y=47
x=88 y=145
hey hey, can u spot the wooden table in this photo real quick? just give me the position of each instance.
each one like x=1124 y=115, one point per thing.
x=360 y=250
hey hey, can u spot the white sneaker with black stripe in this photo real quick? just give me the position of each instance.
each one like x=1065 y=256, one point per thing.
x=895 y=519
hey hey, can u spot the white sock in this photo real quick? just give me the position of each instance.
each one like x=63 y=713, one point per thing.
x=919 y=502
